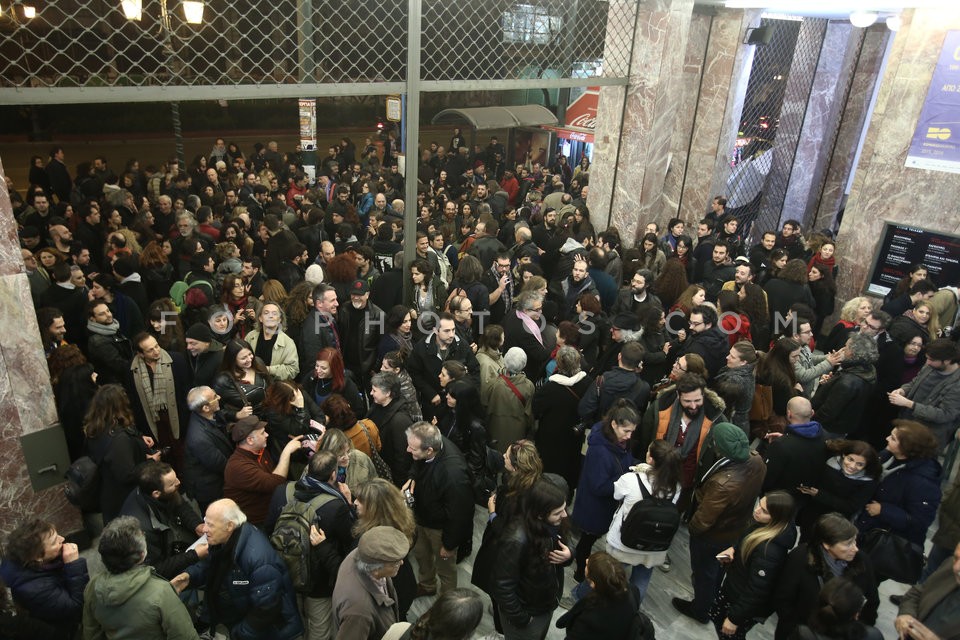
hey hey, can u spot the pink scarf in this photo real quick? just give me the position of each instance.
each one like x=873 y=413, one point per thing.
x=531 y=326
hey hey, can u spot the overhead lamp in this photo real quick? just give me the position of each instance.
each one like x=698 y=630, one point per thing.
x=193 y=11
x=862 y=19
x=29 y=11
x=132 y=9
x=894 y=22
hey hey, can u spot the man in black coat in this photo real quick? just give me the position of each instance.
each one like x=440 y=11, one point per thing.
x=170 y=522
x=427 y=359
x=443 y=507
x=717 y=270
x=706 y=339
x=204 y=354
x=207 y=447
x=795 y=459
x=59 y=176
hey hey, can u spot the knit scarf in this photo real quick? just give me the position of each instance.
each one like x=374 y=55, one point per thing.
x=160 y=394
x=692 y=439
x=103 y=329
x=825 y=266
x=834 y=565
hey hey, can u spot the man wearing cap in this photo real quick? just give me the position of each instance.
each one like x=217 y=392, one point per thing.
x=723 y=501
x=364 y=598
x=360 y=324
x=624 y=328
x=247 y=586
x=204 y=354
x=250 y=475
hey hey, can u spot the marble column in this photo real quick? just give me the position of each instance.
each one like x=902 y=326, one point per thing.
x=883 y=188
x=866 y=74
x=795 y=97
x=635 y=123
x=26 y=398
x=721 y=92
x=831 y=80
x=698 y=39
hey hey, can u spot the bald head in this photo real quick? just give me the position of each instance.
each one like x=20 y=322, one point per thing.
x=799 y=410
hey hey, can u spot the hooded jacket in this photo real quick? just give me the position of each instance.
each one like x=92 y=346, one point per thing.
x=608 y=388
x=135 y=605
x=796 y=459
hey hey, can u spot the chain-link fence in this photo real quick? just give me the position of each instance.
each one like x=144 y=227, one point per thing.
x=90 y=44
x=771 y=120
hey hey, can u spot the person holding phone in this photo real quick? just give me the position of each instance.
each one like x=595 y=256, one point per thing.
x=753 y=565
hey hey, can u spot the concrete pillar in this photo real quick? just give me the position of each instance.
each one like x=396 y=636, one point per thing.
x=635 y=123
x=883 y=188
x=866 y=75
x=831 y=80
x=26 y=398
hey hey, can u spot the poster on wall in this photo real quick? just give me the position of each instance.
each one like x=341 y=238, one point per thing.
x=936 y=141
x=902 y=246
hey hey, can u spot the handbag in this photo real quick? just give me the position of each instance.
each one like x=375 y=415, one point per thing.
x=892 y=556
x=383 y=469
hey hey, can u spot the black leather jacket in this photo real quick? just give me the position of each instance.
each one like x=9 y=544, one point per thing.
x=524 y=585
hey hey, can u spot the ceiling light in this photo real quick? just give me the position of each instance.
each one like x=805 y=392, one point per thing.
x=862 y=19
x=132 y=9
x=193 y=11
x=29 y=11
x=893 y=23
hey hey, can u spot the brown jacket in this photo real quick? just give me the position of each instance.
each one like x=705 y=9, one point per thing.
x=248 y=480
x=360 y=610
x=725 y=497
x=922 y=598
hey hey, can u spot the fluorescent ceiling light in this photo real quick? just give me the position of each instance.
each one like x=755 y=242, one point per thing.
x=193 y=11
x=132 y=9
x=862 y=19
x=893 y=23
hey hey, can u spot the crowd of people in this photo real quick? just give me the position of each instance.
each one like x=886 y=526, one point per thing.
x=277 y=428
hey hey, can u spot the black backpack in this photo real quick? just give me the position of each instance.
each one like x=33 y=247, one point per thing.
x=651 y=523
x=291 y=536
x=83 y=484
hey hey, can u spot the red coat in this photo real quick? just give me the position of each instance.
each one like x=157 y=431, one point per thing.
x=512 y=187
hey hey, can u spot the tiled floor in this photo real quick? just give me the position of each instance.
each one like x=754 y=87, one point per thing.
x=663 y=586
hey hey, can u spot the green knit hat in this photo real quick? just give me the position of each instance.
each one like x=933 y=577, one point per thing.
x=730 y=441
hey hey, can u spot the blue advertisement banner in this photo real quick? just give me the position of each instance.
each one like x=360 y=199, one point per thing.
x=936 y=142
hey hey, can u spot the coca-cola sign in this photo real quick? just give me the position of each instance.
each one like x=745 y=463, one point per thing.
x=582 y=112
x=584 y=121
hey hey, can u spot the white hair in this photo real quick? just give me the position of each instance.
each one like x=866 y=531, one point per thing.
x=515 y=360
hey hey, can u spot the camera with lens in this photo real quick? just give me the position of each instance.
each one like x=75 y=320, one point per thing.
x=408 y=497
x=163 y=451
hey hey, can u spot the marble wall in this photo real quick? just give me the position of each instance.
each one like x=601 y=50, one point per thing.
x=883 y=188
x=635 y=124
x=720 y=102
x=866 y=74
x=26 y=398
x=832 y=78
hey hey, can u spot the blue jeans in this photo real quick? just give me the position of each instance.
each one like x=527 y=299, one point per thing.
x=706 y=573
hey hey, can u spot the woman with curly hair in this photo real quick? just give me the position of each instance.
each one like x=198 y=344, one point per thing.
x=342 y=271
x=156 y=271
x=753 y=302
x=593 y=327
x=393 y=362
x=288 y=414
x=114 y=443
x=297 y=307
x=46 y=576
x=354 y=467
x=671 y=283
x=74 y=384
x=467 y=282
x=852 y=313
x=776 y=369
x=380 y=503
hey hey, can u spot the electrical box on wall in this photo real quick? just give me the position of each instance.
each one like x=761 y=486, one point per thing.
x=46 y=455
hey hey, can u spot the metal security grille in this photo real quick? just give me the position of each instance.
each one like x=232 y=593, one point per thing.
x=252 y=49
x=770 y=123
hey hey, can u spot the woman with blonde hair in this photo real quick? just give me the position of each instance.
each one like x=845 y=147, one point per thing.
x=852 y=313
x=354 y=467
x=753 y=566
x=922 y=320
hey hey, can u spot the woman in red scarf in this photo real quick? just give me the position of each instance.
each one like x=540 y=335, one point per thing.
x=824 y=258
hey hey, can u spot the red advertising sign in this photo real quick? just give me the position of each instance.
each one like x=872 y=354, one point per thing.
x=582 y=112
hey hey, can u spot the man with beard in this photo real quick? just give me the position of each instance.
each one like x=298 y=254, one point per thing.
x=683 y=417
x=636 y=296
x=569 y=290
x=544 y=232
x=170 y=522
